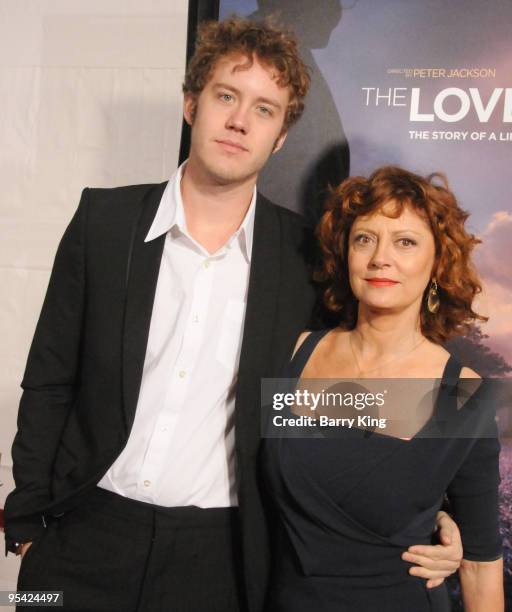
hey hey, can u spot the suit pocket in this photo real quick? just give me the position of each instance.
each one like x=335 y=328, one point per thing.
x=31 y=559
x=28 y=553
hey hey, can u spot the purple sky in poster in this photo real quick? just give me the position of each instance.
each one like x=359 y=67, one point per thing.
x=375 y=37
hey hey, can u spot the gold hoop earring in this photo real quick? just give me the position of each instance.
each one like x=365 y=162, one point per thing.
x=433 y=301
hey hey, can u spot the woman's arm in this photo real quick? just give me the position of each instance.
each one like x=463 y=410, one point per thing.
x=482 y=585
x=474 y=499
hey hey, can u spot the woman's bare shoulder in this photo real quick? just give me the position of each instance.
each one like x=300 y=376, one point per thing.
x=444 y=355
x=303 y=335
x=469 y=373
x=330 y=337
x=441 y=355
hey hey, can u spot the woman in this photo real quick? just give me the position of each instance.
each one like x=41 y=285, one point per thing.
x=397 y=274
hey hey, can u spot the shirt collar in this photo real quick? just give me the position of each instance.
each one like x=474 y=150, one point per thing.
x=171 y=214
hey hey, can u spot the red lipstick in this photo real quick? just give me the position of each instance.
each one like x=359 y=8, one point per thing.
x=381 y=282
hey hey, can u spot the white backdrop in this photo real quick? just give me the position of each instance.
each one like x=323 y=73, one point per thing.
x=90 y=95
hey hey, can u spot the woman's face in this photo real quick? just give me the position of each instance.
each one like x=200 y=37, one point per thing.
x=390 y=260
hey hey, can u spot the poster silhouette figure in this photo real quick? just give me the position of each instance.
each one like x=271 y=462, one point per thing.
x=316 y=153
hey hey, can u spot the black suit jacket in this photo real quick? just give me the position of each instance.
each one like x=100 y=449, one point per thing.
x=84 y=368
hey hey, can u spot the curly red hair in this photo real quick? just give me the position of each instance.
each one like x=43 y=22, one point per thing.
x=272 y=45
x=456 y=278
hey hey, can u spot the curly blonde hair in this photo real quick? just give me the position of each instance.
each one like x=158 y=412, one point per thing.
x=271 y=45
x=456 y=278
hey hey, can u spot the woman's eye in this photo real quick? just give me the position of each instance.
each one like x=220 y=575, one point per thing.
x=264 y=110
x=406 y=242
x=226 y=97
x=362 y=239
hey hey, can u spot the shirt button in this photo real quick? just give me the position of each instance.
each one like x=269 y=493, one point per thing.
x=206 y=263
x=195 y=319
x=182 y=374
x=147 y=483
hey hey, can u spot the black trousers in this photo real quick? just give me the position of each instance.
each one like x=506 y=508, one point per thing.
x=113 y=554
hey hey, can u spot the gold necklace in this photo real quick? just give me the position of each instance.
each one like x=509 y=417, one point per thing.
x=361 y=371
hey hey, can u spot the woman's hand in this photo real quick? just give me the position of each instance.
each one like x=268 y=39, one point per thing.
x=437 y=562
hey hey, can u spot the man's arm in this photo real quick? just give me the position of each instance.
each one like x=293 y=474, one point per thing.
x=49 y=385
x=437 y=562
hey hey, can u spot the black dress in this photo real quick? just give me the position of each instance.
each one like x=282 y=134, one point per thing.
x=347 y=508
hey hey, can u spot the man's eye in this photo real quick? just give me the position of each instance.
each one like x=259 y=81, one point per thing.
x=226 y=97
x=264 y=110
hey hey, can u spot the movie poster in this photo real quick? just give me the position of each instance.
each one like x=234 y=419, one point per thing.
x=426 y=86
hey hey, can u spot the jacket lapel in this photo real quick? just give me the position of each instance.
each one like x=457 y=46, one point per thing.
x=264 y=283
x=142 y=275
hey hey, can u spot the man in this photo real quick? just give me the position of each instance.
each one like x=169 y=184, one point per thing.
x=138 y=431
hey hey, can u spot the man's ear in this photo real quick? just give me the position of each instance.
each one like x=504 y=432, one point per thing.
x=279 y=142
x=189 y=108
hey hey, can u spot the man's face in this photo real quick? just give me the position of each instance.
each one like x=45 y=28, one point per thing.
x=236 y=120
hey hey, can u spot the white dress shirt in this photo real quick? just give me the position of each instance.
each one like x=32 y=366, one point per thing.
x=180 y=451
